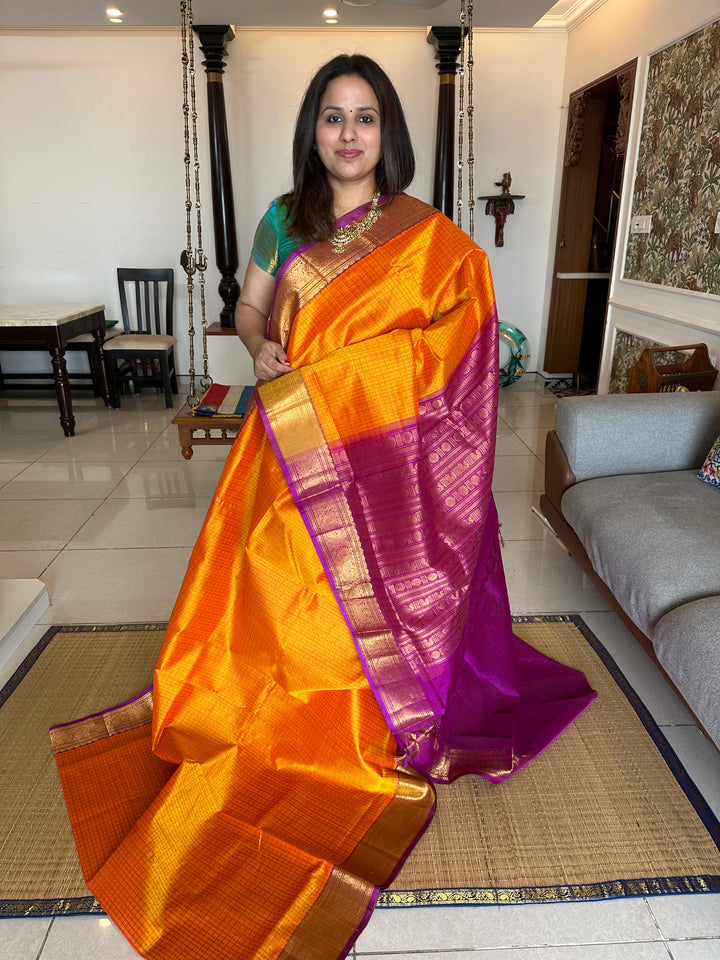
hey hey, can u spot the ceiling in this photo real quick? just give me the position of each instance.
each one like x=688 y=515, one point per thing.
x=306 y=13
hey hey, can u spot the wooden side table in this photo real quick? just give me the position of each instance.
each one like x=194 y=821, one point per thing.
x=53 y=325
x=203 y=431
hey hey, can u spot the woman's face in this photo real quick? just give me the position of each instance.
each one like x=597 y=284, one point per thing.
x=347 y=133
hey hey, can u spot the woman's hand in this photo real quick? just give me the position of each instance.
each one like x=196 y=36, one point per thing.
x=270 y=360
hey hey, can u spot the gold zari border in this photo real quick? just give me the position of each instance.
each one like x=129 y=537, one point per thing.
x=129 y=716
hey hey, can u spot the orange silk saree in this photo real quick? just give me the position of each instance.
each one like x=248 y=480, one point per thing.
x=342 y=636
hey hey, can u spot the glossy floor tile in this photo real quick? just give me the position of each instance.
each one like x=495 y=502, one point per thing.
x=25 y=563
x=518 y=473
x=542 y=577
x=114 y=586
x=136 y=416
x=583 y=951
x=525 y=925
x=528 y=416
x=534 y=439
x=107 y=520
x=43 y=419
x=509 y=444
x=16 y=447
x=10 y=469
x=22 y=939
x=172 y=478
x=99 y=446
x=67 y=480
x=85 y=938
x=694 y=949
x=153 y=522
x=673 y=913
x=517 y=520
x=700 y=759
x=42 y=524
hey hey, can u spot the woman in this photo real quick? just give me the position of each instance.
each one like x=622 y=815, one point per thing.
x=342 y=637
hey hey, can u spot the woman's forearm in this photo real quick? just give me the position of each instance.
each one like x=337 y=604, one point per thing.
x=269 y=358
x=251 y=327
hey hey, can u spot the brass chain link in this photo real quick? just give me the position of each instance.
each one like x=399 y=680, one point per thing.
x=461 y=117
x=466 y=70
x=470 y=155
x=192 y=262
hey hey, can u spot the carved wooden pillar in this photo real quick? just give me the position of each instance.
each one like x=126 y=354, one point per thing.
x=446 y=41
x=213 y=43
x=626 y=85
x=576 y=128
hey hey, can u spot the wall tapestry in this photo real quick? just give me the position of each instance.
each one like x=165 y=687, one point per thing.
x=678 y=173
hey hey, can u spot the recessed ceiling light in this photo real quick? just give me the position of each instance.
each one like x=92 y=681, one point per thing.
x=330 y=12
x=115 y=20
x=113 y=12
x=331 y=20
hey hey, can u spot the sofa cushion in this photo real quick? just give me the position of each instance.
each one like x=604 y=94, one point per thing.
x=626 y=433
x=710 y=470
x=651 y=537
x=686 y=644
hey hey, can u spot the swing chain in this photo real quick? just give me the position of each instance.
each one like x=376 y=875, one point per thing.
x=470 y=155
x=192 y=262
x=461 y=116
x=466 y=70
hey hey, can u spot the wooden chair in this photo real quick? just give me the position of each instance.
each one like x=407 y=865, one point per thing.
x=147 y=344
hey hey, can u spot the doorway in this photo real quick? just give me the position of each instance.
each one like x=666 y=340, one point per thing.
x=596 y=142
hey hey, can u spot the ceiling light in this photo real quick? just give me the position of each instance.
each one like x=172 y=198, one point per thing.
x=331 y=20
x=330 y=12
x=115 y=20
x=113 y=12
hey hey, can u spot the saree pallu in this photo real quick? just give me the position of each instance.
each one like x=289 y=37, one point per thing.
x=342 y=637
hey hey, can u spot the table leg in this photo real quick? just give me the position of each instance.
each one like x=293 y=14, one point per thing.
x=62 y=390
x=99 y=335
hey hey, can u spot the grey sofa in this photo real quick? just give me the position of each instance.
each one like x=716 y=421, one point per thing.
x=622 y=493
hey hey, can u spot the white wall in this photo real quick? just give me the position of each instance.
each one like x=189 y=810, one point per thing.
x=617 y=32
x=518 y=121
x=91 y=171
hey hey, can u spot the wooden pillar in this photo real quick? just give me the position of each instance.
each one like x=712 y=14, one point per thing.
x=213 y=43
x=446 y=41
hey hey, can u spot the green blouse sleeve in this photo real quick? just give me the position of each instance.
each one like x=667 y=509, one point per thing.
x=272 y=245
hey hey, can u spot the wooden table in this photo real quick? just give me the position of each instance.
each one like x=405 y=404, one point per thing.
x=53 y=325
x=202 y=431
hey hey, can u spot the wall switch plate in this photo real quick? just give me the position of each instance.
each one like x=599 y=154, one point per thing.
x=717 y=224
x=641 y=225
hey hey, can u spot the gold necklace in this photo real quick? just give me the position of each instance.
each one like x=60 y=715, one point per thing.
x=344 y=235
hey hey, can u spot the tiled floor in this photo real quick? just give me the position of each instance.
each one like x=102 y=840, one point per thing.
x=107 y=519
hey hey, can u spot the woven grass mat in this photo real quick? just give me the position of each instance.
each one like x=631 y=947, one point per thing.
x=606 y=811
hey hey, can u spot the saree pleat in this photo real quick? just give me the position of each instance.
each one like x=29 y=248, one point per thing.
x=342 y=636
